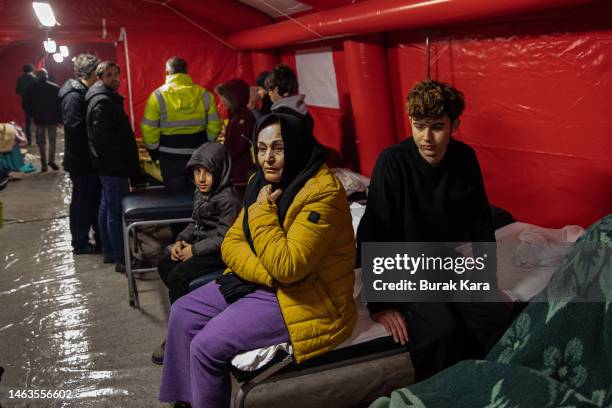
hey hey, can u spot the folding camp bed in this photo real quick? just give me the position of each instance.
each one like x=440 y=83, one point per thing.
x=151 y=207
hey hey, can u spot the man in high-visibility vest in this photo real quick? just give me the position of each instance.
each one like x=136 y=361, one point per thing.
x=178 y=118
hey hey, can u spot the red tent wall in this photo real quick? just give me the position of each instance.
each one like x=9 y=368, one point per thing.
x=14 y=57
x=333 y=127
x=538 y=107
x=209 y=62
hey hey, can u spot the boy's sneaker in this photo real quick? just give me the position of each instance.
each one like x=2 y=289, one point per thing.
x=120 y=268
x=158 y=355
x=53 y=166
x=43 y=169
x=108 y=259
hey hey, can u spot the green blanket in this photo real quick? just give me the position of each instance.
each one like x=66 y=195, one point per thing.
x=557 y=353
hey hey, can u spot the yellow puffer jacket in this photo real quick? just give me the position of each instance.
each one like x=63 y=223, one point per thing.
x=309 y=260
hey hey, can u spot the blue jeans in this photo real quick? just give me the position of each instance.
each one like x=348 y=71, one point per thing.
x=110 y=217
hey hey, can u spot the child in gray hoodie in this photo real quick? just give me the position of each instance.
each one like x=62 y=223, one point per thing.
x=197 y=250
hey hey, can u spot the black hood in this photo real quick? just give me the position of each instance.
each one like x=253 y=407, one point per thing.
x=304 y=156
x=99 y=89
x=216 y=159
x=72 y=85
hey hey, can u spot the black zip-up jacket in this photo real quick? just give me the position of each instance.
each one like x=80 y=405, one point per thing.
x=112 y=145
x=23 y=83
x=41 y=100
x=76 y=144
x=213 y=212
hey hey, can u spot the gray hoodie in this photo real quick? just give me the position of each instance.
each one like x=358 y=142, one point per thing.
x=213 y=212
x=294 y=105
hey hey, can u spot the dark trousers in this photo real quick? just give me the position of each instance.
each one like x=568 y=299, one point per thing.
x=442 y=334
x=44 y=132
x=110 y=215
x=28 y=127
x=178 y=275
x=84 y=204
x=173 y=172
x=176 y=178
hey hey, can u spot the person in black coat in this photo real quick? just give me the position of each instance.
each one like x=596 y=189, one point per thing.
x=235 y=96
x=23 y=83
x=114 y=155
x=429 y=188
x=86 y=186
x=41 y=101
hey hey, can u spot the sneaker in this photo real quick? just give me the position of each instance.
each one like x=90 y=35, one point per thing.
x=54 y=166
x=43 y=169
x=86 y=250
x=158 y=355
x=108 y=259
x=182 y=404
x=120 y=268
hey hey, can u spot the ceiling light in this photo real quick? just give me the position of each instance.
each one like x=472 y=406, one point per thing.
x=50 y=45
x=58 y=57
x=63 y=50
x=45 y=15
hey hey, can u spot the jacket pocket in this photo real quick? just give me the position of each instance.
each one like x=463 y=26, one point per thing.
x=326 y=299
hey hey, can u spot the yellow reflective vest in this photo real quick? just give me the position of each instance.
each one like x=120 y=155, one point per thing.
x=309 y=263
x=177 y=111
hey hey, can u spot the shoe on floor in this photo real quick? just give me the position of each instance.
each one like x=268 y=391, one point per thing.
x=182 y=404
x=158 y=354
x=108 y=259
x=43 y=169
x=120 y=268
x=86 y=250
x=54 y=166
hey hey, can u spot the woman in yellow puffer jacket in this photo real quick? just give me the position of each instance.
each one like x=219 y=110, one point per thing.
x=290 y=258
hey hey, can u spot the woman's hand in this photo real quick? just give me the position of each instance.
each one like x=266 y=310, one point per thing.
x=394 y=323
x=186 y=253
x=175 y=251
x=266 y=194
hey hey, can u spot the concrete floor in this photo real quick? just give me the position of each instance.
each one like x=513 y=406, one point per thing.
x=66 y=323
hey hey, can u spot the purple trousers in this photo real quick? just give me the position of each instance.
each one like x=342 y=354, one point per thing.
x=205 y=333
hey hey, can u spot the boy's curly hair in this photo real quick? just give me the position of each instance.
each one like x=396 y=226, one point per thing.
x=433 y=99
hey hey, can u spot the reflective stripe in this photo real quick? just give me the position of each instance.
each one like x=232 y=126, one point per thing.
x=163 y=111
x=176 y=150
x=213 y=117
x=149 y=122
x=152 y=146
x=206 y=98
x=182 y=123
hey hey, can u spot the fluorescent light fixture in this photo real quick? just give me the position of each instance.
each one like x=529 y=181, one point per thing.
x=50 y=45
x=64 y=50
x=45 y=15
x=58 y=57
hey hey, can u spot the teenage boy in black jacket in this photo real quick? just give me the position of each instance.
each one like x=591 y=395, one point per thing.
x=429 y=188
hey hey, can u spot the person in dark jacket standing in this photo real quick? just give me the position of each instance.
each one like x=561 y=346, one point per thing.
x=197 y=250
x=42 y=102
x=429 y=188
x=114 y=156
x=266 y=102
x=86 y=185
x=282 y=85
x=235 y=96
x=23 y=83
